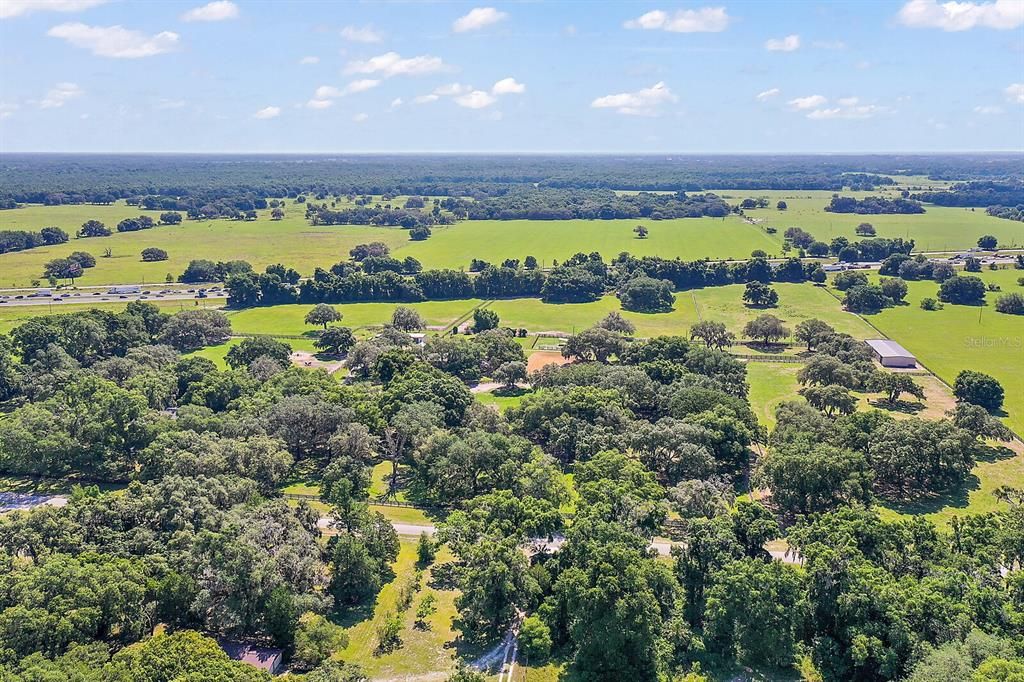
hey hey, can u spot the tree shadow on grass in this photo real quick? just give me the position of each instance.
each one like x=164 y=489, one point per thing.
x=994 y=453
x=514 y=392
x=901 y=406
x=765 y=348
x=351 y=616
x=957 y=497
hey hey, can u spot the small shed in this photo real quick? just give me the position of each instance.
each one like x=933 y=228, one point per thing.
x=262 y=657
x=891 y=354
x=418 y=338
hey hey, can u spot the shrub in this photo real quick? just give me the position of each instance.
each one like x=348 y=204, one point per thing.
x=1011 y=304
x=153 y=254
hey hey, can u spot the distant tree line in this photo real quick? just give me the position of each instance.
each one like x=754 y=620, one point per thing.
x=976 y=194
x=873 y=205
x=202 y=180
x=570 y=204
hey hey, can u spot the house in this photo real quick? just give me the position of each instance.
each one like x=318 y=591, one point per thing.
x=418 y=338
x=891 y=354
x=264 y=658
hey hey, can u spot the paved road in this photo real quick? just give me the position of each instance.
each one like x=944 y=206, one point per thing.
x=107 y=298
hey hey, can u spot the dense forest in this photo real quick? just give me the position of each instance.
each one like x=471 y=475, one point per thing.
x=873 y=205
x=88 y=178
x=201 y=540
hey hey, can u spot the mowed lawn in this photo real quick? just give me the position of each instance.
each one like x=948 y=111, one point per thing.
x=797 y=302
x=939 y=228
x=496 y=240
x=772 y=383
x=289 y=320
x=965 y=337
x=291 y=241
x=12 y=316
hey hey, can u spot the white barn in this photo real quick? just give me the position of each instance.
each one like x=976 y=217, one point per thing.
x=891 y=354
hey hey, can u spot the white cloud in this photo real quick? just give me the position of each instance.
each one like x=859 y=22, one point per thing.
x=788 y=44
x=361 y=117
x=17 y=8
x=309 y=60
x=988 y=109
x=452 y=89
x=115 y=41
x=323 y=95
x=392 y=64
x=848 y=101
x=361 y=85
x=58 y=95
x=809 y=102
x=850 y=111
x=1015 y=92
x=396 y=102
x=425 y=99
x=962 y=16
x=478 y=18
x=327 y=91
x=508 y=86
x=219 y=10
x=703 y=20
x=7 y=110
x=767 y=94
x=477 y=99
x=361 y=34
x=268 y=112
x=644 y=102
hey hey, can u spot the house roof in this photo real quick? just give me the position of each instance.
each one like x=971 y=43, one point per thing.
x=888 y=349
x=265 y=658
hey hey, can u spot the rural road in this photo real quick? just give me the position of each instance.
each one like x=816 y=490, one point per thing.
x=662 y=547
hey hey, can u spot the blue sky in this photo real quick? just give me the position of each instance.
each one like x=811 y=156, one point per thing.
x=721 y=76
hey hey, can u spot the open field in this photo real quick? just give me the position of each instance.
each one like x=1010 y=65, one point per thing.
x=495 y=240
x=797 y=302
x=291 y=241
x=939 y=228
x=288 y=320
x=771 y=383
x=295 y=243
x=12 y=316
x=964 y=337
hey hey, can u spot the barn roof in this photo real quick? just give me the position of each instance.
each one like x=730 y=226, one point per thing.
x=888 y=349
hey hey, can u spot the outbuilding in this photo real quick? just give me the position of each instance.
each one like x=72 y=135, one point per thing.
x=891 y=354
x=264 y=658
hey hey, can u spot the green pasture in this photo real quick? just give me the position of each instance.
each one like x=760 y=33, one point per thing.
x=289 y=320
x=964 y=337
x=797 y=302
x=939 y=228
x=13 y=315
x=771 y=383
x=496 y=240
x=262 y=242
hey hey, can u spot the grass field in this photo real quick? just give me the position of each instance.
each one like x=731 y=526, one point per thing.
x=291 y=241
x=288 y=320
x=12 y=316
x=294 y=242
x=939 y=228
x=422 y=650
x=495 y=240
x=771 y=383
x=797 y=302
x=965 y=337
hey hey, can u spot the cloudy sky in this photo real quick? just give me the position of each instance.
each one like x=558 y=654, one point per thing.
x=720 y=76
